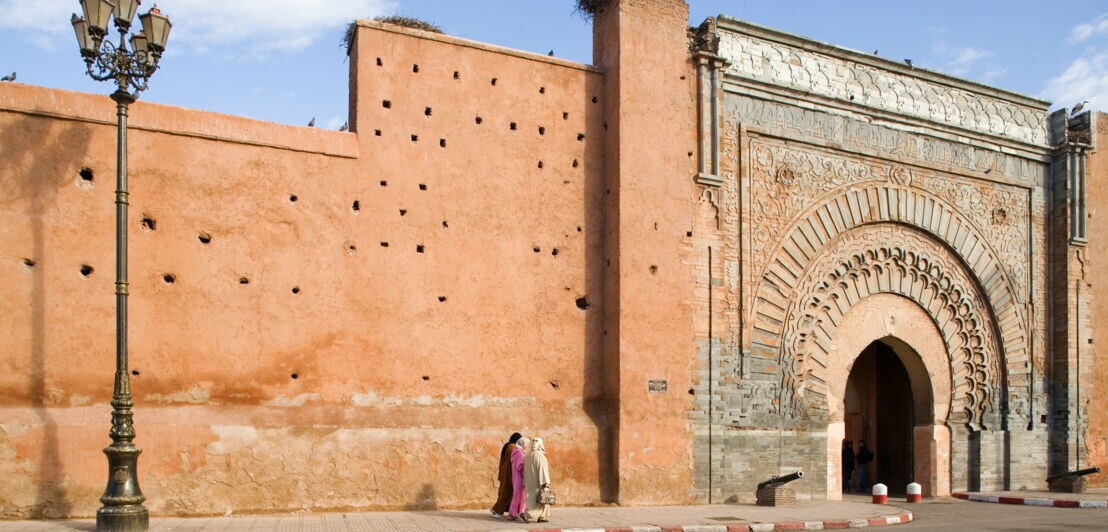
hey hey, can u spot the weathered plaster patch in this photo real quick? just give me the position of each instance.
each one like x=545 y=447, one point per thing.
x=79 y=400
x=296 y=400
x=199 y=394
x=372 y=399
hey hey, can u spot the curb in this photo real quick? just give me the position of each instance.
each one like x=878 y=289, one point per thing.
x=905 y=517
x=1029 y=501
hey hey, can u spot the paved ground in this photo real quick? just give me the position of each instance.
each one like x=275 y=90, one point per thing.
x=953 y=515
x=942 y=515
x=451 y=521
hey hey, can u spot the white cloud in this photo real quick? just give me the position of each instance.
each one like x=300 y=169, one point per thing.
x=236 y=28
x=1086 y=76
x=1082 y=32
x=253 y=27
x=965 y=61
x=43 y=16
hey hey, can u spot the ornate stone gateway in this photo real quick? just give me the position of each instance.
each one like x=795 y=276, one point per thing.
x=855 y=200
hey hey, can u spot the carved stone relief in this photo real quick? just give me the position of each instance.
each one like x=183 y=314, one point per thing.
x=886 y=258
x=787 y=179
x=826 y=75
x=972 y=236
x=806 y=123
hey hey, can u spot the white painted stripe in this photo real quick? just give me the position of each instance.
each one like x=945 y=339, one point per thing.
x=813 y=525
x=984 y=498
x=1092 y=504
x=583 y=530
x=645 y=528
x=705 y=528
x=762 y=527
x=1038 y=502
x=859 y=523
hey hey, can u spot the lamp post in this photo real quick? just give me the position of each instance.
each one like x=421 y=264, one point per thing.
x=130 y=69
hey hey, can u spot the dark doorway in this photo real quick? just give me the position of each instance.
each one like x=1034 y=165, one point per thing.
x=880 y=410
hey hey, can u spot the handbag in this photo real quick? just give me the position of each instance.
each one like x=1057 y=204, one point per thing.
x=545 y=495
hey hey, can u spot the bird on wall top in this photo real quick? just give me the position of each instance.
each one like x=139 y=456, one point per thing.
x=908 y=61
x=1079 y=107
x=551 y=54
x=345 y=126
x=311 y=123
x=9 y=77
x=875 y=51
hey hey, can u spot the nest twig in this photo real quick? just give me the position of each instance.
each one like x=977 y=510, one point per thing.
x=407 y=22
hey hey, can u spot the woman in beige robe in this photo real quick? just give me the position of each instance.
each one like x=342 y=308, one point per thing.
x=536 y=474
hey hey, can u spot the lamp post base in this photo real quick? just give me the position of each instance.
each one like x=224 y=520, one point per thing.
x=122 y=509
x=132 y=517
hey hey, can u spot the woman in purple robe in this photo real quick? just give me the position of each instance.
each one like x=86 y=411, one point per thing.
x=519 y=491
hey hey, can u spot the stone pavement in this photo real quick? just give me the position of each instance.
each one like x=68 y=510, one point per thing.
x=813 y=515
x=1093 y=498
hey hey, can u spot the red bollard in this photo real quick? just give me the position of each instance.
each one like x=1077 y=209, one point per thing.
x=915 y=493
x=880 y=494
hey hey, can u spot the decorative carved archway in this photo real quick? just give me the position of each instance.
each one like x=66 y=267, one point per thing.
x=889 y=238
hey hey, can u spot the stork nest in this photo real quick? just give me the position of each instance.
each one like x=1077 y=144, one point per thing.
x=589 y=8
x=406 y=22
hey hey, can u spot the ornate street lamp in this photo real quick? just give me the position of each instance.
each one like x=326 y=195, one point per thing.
x=130 y=69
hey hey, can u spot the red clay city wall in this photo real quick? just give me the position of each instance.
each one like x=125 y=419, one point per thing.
x=1095 y=446
x=337 y=320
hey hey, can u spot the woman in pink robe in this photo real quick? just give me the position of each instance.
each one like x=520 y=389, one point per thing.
x=519 y=491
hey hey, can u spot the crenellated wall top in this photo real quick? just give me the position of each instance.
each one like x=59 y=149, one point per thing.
x=823 y=71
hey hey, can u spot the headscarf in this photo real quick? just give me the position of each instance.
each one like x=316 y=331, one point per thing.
x=515 y=437
x=537 y=446
x=522 y=442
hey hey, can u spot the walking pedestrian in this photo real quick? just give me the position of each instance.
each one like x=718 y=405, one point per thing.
x=504 y=494
x=865 y=456
x=519 y=495
x=848 y=464
x=536 y=476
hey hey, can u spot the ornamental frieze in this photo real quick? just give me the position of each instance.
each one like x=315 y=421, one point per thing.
x=829 y=76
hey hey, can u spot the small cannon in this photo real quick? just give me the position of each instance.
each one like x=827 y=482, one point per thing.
x=774 y=492
x=784 y=480
x=1070 y=481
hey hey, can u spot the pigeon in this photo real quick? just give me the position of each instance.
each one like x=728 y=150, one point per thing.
x=1076 y=109
x=988 y=171
x=345 y=126
x=9 y=77
x=875 y=51
x=311 y=123
x=551 y=53
x=908 y=61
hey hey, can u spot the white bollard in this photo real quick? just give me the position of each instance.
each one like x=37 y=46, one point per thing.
x=915 y=492
x=880 y=494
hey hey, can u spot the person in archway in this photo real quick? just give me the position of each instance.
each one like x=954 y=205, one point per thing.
x=504 y=495
x=864 y=457
x=848 y=464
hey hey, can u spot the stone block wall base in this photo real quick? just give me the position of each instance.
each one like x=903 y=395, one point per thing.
x=776 y=495
x=1068 y=485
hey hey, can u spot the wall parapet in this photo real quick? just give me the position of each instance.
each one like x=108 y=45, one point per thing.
x=172 y=120
x=458 y=41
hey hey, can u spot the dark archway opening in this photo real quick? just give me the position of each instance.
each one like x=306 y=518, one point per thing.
x=880 y=410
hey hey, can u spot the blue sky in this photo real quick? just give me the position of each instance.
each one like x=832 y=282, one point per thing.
x=280 y=60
